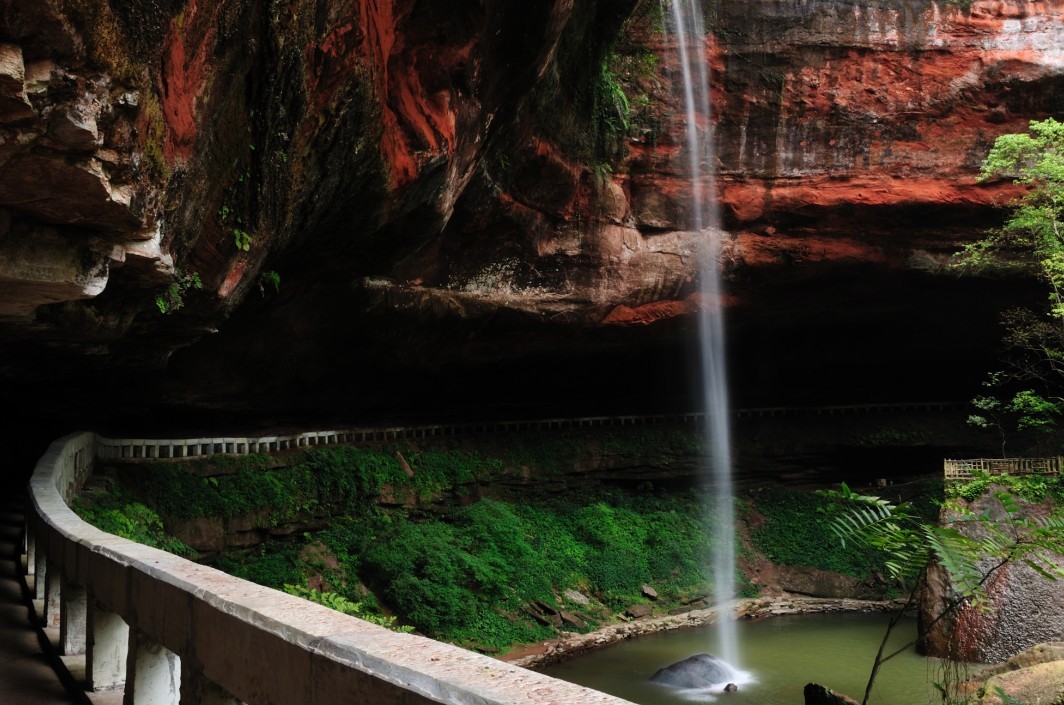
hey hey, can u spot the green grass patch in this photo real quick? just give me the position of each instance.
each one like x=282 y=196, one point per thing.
x=795 y=531
x=114 y=510
x=1033 y=488
x=467 y=576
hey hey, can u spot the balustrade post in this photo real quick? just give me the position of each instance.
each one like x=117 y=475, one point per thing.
x=53 y=596
x=153 y=673
x=73 y=606
x=30 y=547
x=40 y=573
x=107 y=650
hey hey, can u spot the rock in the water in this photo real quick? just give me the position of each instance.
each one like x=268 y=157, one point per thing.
x=816 y=694
x=731 y=688
x=698 y=671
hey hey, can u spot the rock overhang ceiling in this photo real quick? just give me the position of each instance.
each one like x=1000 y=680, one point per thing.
x=452 y=213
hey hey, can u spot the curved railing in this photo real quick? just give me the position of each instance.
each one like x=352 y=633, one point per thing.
x=138 y=448
x=170 y=631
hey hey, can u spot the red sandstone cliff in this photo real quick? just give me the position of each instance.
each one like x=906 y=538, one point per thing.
x=447 y=185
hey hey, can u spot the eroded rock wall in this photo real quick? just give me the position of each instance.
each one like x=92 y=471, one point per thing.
x=1024 y=608
x=443 y=188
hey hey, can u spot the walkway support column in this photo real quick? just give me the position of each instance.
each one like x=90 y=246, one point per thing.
x=53 y=592
x=107 y=649
x=153 y=673
x=40 y=573
x=30 y=547
x=73 y=608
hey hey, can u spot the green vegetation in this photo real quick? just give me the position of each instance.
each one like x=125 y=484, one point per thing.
x=346 y=478
x=269 y=280
x=235 y=224
x=972 y=547
x=410 y=532
x=273 y=564
x=1032 y=240
x=887 y=437
x=342 y=604
x=468 y=576
x=611 y=102
x=1033 y=488
x=1025 y=411
x=154 y=134
x=173 y=297
x=107 y=42
x=794 y=524
x=233 y=214
x=117 y=513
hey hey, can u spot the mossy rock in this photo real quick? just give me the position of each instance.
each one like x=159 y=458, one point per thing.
x=1042 y=683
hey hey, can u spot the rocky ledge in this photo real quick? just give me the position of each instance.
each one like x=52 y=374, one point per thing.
x=1035 y=675
x=456 y=198
x=548 y=652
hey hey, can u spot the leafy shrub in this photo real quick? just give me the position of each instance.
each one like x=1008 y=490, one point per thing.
x=272 y=564
x=341 y=604
x=133 y=521
x=1034 y=488
x=796 y=532
x=470 y=573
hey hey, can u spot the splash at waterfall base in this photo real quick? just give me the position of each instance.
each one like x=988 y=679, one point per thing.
x=556 y=650
x=822 y=652
x=701 y=673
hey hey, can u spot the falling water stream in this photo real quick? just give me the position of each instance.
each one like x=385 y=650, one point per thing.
x=689 y=30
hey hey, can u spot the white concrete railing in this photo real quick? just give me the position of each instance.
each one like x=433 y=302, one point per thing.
x=139 y=448
x=170 y=631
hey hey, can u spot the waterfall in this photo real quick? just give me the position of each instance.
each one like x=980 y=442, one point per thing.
x=691 y=43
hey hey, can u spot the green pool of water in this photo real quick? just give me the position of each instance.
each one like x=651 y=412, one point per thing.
x=779 y=655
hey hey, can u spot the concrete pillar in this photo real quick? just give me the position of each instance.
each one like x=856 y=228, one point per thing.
x=106 y=650
x=40 y=570
x=73 y=609
x=153 y=673
x=31 y=551
x=53 y=591
x=198 y=690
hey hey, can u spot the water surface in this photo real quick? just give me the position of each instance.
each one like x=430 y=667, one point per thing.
x=780 y=655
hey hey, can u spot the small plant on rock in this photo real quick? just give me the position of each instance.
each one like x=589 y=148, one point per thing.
x=173 y=297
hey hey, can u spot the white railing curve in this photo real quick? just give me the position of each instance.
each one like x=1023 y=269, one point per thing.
x=171 y=632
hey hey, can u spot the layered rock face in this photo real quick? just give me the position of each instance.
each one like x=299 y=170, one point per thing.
x=1024 y=607
x=451 y=195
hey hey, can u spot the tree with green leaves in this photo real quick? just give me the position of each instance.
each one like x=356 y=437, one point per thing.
x=1025 y=410
x=1035 y=229
x=971 y=547
x=1031 y=240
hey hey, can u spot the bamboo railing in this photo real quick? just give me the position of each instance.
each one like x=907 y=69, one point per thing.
x=967 y=469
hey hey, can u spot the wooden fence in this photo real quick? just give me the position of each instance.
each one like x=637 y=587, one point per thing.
x=967 y=469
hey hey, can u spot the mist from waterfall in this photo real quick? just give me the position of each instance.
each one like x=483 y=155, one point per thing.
x=689 y=31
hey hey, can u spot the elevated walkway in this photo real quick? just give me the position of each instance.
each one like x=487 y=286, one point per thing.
x=27 y=676
x=150 y=628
